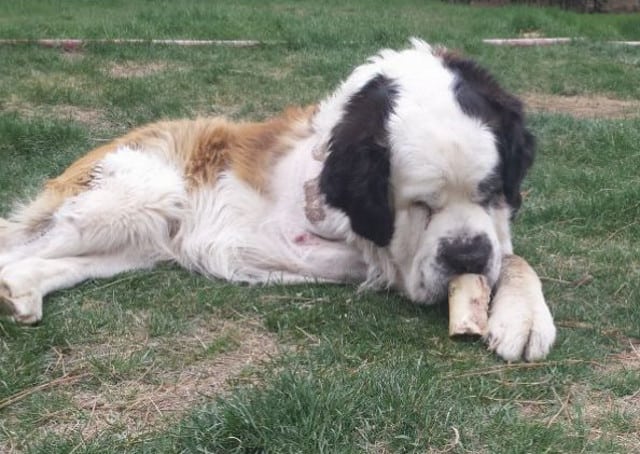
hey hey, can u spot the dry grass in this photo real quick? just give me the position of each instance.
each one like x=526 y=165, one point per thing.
x=592 y=106
x=584 y=405
x=628 y=360
x=377 y=448
x=158 y=397
x=133 y=69
x=83 y=115
x=148 y=398
x=599 y=409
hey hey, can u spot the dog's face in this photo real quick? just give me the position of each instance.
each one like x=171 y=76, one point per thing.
x=427 y=160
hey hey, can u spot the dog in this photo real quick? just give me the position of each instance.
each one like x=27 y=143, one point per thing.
x=406 y=176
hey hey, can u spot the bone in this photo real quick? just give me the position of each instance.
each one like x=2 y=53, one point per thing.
x=469 y=296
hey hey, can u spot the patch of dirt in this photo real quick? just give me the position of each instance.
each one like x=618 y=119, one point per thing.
x=135 y=69
x=628 y=360
x=91 y=117
x=600 y=409
x=595 y=106
x=86 y=116
x=532 y=410
x=158 y=395
x=73 y=55
x=601 y=412
x=378 y=447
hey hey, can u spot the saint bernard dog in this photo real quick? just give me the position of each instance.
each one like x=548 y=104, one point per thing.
x=406 y=176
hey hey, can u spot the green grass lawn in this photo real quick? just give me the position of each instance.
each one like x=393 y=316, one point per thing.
x=167 y=361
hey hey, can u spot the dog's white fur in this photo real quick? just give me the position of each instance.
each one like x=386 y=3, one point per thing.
x=138 y=208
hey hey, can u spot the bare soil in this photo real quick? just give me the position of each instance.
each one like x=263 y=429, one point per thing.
x=592 y=106
x=584 y=405
x=86 y=116
x=155 y=397
x=135 y=69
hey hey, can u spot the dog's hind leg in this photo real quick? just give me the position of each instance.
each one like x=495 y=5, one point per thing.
x=127 y=219
x=6 y=227
x=20 y=232
x=23 y=284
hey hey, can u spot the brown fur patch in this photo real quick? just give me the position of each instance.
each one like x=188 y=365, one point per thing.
x=210 y=153
x=248 y=149
x=202 y=148
x=77 y=177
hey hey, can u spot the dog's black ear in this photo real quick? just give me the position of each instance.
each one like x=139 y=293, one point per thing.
x=480 y=96
x=517 y=150
x=355 y=176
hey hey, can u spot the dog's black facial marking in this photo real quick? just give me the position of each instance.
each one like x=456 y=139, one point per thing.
x=481 y=96
x=490 y=192
x=355 y=176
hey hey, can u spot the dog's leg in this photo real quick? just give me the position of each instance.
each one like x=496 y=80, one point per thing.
x=126 y=220
x=27 y=223
x=520 y=323
x=23 y=284
x=5 y=228
x=329 y=262
x=12 y=234
x=13 y=241
x=60 y=241
x=88 y=230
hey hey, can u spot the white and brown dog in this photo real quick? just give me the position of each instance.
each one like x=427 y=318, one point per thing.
x=406 y=176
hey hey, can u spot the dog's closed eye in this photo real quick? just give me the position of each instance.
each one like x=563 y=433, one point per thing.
x=423 y=206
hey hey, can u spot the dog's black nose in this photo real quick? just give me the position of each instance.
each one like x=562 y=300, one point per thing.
x=465 y=255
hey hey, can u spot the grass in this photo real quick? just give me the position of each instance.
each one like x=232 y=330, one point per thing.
x=166 y=361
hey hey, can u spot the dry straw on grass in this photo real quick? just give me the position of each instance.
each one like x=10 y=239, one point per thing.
x=592 y=106
x=153 y=396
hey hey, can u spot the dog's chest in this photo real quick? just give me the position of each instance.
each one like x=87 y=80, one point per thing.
x=298 y=201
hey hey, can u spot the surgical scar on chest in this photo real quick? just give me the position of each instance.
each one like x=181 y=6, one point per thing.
x=313 y=209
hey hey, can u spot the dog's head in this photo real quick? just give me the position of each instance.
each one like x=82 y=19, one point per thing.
x=427 y=154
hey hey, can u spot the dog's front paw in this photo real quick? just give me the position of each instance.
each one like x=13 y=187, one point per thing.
x=508 y=333
x=520 y=324
x=542 y=334
x=521 y=331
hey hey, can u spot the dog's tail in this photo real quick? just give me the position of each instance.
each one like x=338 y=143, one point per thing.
x=28 y=220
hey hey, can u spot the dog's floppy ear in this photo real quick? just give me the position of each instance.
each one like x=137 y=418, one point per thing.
x=517 y=149
x=481 y=96
x=355 y=176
